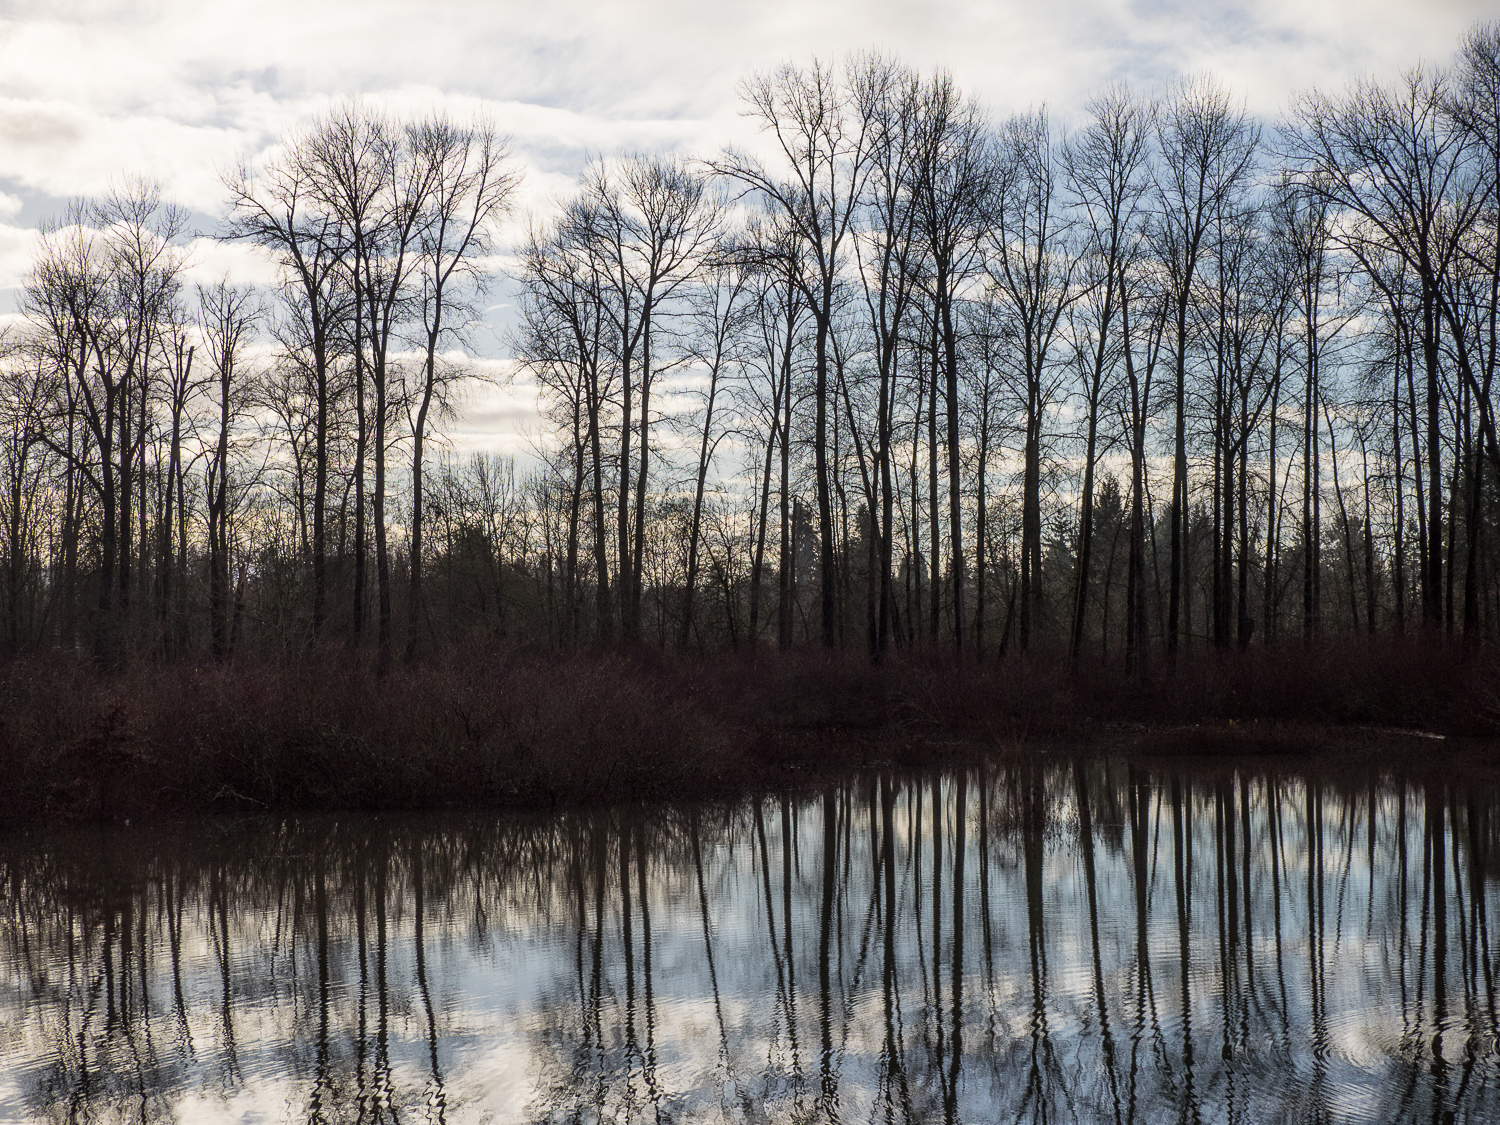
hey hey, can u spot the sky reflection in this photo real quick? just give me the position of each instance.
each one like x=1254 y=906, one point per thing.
x=1069 y=942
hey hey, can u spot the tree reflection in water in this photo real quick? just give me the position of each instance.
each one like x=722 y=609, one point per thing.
x=1084 y=941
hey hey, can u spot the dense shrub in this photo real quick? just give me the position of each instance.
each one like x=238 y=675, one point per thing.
x=520 y=727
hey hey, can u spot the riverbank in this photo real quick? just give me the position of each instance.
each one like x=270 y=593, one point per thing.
x=513 y=728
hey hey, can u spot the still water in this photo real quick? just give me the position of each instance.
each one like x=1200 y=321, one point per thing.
x=1092 y=941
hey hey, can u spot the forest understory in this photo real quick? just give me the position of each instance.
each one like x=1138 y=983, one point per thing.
x=525 y=728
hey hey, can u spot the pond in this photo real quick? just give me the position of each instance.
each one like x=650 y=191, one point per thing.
x=1093 y=941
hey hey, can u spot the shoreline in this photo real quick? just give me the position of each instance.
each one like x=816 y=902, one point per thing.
x=809 y=761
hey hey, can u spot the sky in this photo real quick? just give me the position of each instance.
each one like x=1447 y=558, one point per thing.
x=92 y=91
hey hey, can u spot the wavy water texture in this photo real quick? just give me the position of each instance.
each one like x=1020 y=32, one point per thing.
x=1094 y=940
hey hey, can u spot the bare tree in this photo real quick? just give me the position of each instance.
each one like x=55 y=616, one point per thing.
x=648 y=223
x=1107 y=164
x=1032 y=265
x=1392 y=161
x=471 y=184
x=890 y=256
x=228 y=316
x=561 y=340
x=821 y=122
x=719 y=308
x=276 y=208
x=1207 y=151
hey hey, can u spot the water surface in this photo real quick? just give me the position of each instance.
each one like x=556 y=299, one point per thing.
x=1093 y=942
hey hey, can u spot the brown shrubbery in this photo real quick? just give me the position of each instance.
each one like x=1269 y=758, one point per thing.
x=513 y=727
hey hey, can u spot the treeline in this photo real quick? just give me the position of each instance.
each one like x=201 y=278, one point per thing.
x=909 y=376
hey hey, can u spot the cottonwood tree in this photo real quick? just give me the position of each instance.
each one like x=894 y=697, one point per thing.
x=471 y=183
x=1107 y=165
x=1392 y=161
x=647 y=223
x=376 y=184
x=776 y=323
x=1032 y=264
x=890 y=256
x=820 y=120
x=719 y=306
x=228 y=315
x=276 y=207
x=1207 y=151
x=562 y=341
x=27 y=390
x=103 y=277
x=957 y=179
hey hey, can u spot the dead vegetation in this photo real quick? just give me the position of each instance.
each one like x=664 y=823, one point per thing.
x=531 y=728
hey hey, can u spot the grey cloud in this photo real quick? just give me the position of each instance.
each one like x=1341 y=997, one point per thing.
x=488 y=419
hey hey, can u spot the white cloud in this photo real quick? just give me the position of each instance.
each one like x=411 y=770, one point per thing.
x=17 y=245
x=209 y=260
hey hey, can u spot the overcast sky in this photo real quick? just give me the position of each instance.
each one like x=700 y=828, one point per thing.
x=179 y=89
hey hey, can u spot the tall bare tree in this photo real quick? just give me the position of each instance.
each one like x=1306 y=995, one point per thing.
x=471 y=184
x=820 y=120
x=1207 y=151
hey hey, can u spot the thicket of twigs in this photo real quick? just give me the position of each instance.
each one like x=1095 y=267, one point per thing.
x=516 y=727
